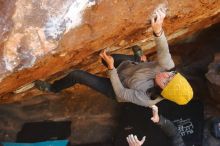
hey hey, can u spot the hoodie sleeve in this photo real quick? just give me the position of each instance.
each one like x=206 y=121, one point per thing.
x=163 y=55
x=171 y=131
x=130 y=95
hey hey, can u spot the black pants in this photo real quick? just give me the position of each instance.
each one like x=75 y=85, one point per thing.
x=100 y=84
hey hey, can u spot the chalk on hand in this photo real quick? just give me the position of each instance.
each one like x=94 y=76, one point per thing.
x=163 y=7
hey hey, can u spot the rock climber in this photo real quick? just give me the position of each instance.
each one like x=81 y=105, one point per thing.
x=139 y=82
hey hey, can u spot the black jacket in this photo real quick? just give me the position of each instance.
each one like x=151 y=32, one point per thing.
x=171 y=131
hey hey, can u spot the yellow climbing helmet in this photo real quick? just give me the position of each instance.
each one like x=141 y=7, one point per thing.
x=178 y=90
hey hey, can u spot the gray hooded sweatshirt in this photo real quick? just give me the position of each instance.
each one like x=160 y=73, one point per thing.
x=131 y=80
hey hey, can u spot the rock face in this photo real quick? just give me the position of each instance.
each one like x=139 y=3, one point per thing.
x=41 y=38
x=213 y=76
x=89 y=115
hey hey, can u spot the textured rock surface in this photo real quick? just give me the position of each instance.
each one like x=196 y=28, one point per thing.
x=213 y=76
x=90 y=115
x=38 y=40
x=41 y=38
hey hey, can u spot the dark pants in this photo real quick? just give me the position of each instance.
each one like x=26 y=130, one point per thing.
x=100 y=84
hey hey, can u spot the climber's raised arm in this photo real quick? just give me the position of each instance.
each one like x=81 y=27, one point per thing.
x=164 y=58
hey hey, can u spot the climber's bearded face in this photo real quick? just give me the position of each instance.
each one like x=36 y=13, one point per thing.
x=163 y=78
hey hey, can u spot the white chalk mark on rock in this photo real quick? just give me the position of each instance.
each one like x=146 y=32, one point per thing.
x=70 y=17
